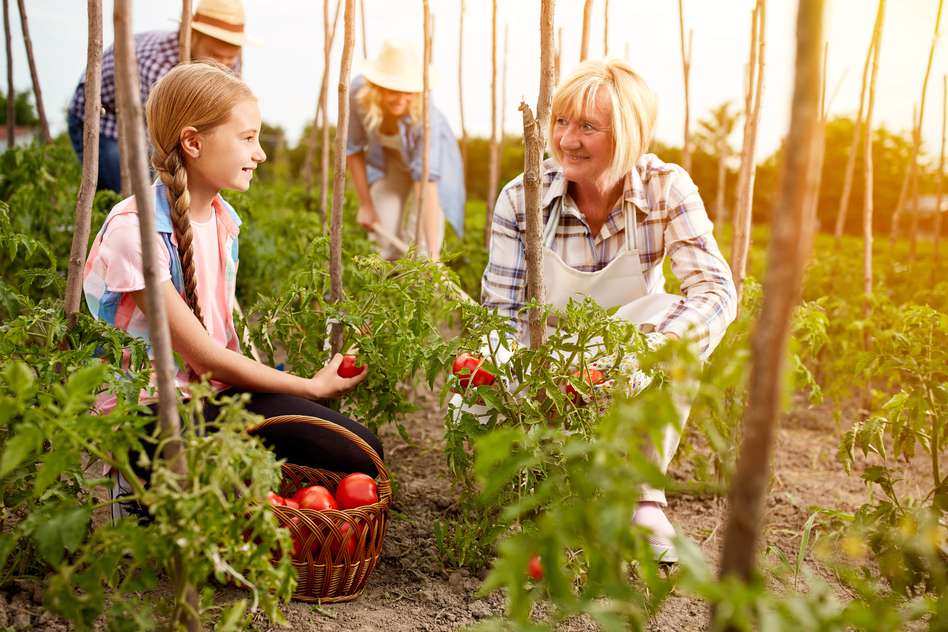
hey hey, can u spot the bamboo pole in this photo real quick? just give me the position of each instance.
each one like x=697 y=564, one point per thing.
x=493 y=169
x=533 y=137
x=811 y=226
x=90 y=161
x=365 y=39
x=867 y=203
x=420 y=215
x=605 y=28
x=686 y=72
x=461 y=87
x=321 y=122
x=184 y=34
x=843 y=207
x=743 y=212
x=11 y=92
x=785 y=263
x=912 y=171
x=587 y=17
x=186 y=611
x=940 y=178
x=339 y=176
x=34 y=75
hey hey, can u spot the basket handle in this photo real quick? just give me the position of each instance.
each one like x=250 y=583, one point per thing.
x=334 y=427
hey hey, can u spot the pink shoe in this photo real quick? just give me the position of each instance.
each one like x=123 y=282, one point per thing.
x=650 y=516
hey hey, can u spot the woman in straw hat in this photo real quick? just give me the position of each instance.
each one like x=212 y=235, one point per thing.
x=217 y=32
x=385 y=151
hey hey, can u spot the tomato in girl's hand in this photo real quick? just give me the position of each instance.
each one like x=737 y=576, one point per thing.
x=356 y=490
x=348 y=367
x=592 y=377
x=315 y=497
x=534 y=568
x=466 y=369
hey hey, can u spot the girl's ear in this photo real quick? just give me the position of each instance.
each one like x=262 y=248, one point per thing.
x=191 y=142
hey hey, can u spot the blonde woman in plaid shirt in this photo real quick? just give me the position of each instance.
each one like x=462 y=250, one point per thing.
x=611 y=214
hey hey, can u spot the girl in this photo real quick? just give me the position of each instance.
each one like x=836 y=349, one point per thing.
x=204 y=127
x=385 y=151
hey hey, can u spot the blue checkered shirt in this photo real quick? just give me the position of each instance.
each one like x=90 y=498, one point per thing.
x=671 y=220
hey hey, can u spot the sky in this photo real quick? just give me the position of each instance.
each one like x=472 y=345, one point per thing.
x=286 y=68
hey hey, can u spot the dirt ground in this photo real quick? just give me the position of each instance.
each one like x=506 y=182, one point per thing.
x=410 y=590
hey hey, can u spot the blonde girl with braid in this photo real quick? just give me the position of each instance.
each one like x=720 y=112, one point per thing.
x=204 y=126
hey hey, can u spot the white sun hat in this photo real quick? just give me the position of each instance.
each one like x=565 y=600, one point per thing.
x=223 y=20
x=398 y=67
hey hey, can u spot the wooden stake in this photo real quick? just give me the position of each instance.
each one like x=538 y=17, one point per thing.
x=587 y=17
x=503 y=105
x=743 y=212
x=321 y=122
x=90 y=161
x=11 y=91
x=365 y=39
x=559 y=55
x=118 y=50
x=867 y=202
x=184 y=34
x=34 y=76
x=843 y=207
x=132 y=121
x=533 y=136
x=605 y=28
x=339 y=175
x=911 y=172
x=420 y=215
x=781 y=293
x=940 y=178
x=686 y=71
x=461 y=88
x=811 y=225
x=493 y=167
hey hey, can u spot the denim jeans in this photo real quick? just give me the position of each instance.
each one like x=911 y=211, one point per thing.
x=110 y=174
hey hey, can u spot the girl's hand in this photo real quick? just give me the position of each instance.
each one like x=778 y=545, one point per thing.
x=367 y=217
x=328 y=384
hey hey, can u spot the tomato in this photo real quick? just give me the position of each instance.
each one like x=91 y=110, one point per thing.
x=289 y=502
x=534 y=568
x=465 y=367
x=348 y=367
x=315 y=497
x=275 y=499
x=349 y=536
x=592 y=376
x=356 y=490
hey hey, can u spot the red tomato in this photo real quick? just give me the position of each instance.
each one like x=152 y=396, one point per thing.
x=534 y=568
x=465 y=367
x=289 y=502
x=356 y=490
x=275 y=499
x=348 y=368
x=349 y=536
x=315 y=497
x=592 y=376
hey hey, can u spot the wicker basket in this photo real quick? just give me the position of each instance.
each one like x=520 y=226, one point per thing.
x=335 y=551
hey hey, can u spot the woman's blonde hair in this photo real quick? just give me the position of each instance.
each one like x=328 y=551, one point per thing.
x=199 y=95
x=369 y=98
x=633 y=108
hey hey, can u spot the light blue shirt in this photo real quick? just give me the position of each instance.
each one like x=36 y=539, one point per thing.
x=444 y=164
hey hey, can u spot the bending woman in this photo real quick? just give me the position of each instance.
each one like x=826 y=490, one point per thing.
x=385 y=152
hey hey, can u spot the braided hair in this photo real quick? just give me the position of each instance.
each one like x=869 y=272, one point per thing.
x=199 y=95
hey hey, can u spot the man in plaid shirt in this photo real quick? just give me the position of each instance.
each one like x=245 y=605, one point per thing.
x=217 y=32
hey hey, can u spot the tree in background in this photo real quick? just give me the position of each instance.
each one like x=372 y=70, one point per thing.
x=712 y=138
x=24 y=112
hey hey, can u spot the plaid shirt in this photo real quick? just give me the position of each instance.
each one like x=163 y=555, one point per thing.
x=156 y=52
x=671 y=219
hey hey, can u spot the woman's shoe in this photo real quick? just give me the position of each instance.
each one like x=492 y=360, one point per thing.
x=650 y=516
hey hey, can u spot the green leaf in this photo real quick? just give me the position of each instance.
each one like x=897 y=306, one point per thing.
x=63 y=532
x=19 y=377
x=54 y=464
x=25 y=442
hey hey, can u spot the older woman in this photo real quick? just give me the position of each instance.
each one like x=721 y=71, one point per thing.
x=385 y=150
x=612 y=213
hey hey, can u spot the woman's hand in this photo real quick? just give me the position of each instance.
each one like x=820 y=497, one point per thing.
x=367 y=217
x=328 y=384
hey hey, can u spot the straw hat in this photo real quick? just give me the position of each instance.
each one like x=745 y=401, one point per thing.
x=398 y=67
x=223 y=20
